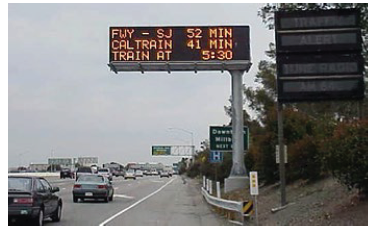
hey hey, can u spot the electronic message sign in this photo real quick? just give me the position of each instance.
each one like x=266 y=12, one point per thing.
x=318 y=55
x=179 y=48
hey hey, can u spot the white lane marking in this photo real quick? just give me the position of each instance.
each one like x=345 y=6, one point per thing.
x=123 y=196
x=157 y=181
x=133 y=205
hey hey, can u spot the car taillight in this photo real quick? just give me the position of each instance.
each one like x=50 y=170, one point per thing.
x=23 y=200
x=102 y=187
x=77 y=186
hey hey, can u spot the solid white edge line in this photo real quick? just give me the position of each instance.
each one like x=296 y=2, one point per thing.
x=133 y=205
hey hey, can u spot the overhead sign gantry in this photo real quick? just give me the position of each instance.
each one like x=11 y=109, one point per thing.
x=191 y=48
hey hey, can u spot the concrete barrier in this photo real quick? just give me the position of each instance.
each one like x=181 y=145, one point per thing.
x=38 y=174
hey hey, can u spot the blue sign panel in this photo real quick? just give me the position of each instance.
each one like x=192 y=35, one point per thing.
x=216 y=157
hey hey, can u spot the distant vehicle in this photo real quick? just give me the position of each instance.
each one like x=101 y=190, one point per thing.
x=93 y=187
x=115 y=168
x=154 y=172
x=164 y=174
x=83 y=171
x=66 y=172
x=106 y=173
x=32 y=198
x=130 y=174
x=139 y=173
x=94 y=168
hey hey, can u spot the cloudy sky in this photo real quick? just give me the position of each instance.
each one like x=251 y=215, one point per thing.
x=63 y=99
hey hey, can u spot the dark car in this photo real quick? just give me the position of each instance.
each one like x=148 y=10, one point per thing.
x=164 y=174
x=66 y=173
x=83 y=171
x=32 y=198
x=93 y=187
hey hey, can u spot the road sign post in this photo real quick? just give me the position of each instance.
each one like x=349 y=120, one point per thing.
x=254 y=191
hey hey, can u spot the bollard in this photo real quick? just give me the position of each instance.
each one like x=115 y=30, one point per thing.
x=210 y=186
x=207 y=185
x=218 y=189
x=204 y=182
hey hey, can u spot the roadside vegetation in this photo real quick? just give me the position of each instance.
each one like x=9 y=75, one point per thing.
x=323 y=139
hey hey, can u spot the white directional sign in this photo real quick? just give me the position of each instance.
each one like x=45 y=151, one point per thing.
x=254 y=185
x=278 y=154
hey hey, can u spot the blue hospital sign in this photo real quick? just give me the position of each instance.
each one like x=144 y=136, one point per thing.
x=216 y=157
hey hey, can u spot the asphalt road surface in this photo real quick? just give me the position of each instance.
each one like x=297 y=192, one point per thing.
x=146 y=201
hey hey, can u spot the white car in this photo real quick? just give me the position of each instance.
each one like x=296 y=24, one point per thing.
x=139 y=173
x=106 y=173
x=130 y=174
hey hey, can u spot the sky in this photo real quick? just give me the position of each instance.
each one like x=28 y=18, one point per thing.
x=63 y=100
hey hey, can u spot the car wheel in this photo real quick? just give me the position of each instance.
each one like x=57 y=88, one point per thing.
x=38 y=221
x=75 y=199
x=56 y=217
x=112 y=196
x=106 y=199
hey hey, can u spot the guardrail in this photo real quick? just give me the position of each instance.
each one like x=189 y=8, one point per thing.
x=221 y=203
x=236 y=206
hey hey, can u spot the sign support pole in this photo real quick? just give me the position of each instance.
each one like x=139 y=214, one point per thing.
x=282 y=157
x=256 y=210
x=238 y=177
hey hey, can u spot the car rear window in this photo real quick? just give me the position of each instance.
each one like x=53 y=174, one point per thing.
x=91 y=179
x=19 y=184
x=84 y=170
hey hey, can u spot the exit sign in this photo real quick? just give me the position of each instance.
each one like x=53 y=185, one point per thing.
x=221 y=138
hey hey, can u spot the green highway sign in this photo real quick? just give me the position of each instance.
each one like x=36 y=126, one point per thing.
x=221 y=138
x=161 y=150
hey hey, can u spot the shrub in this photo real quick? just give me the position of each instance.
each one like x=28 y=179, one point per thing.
x=346 y=154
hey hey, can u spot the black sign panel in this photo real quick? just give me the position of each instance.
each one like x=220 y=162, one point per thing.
x=319 y=65
x=319 y=55
x=313 y=19
x=320 y=89
x=300 y=42
x=179 y=44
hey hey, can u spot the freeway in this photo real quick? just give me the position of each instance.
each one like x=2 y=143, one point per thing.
x=146 y=201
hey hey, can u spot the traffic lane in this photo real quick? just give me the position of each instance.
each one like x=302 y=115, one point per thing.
x=177 y=204
x=92 y=213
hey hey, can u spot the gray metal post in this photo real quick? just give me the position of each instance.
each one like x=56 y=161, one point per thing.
x=282 y=157
x=238 y=177
x=256 y=211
